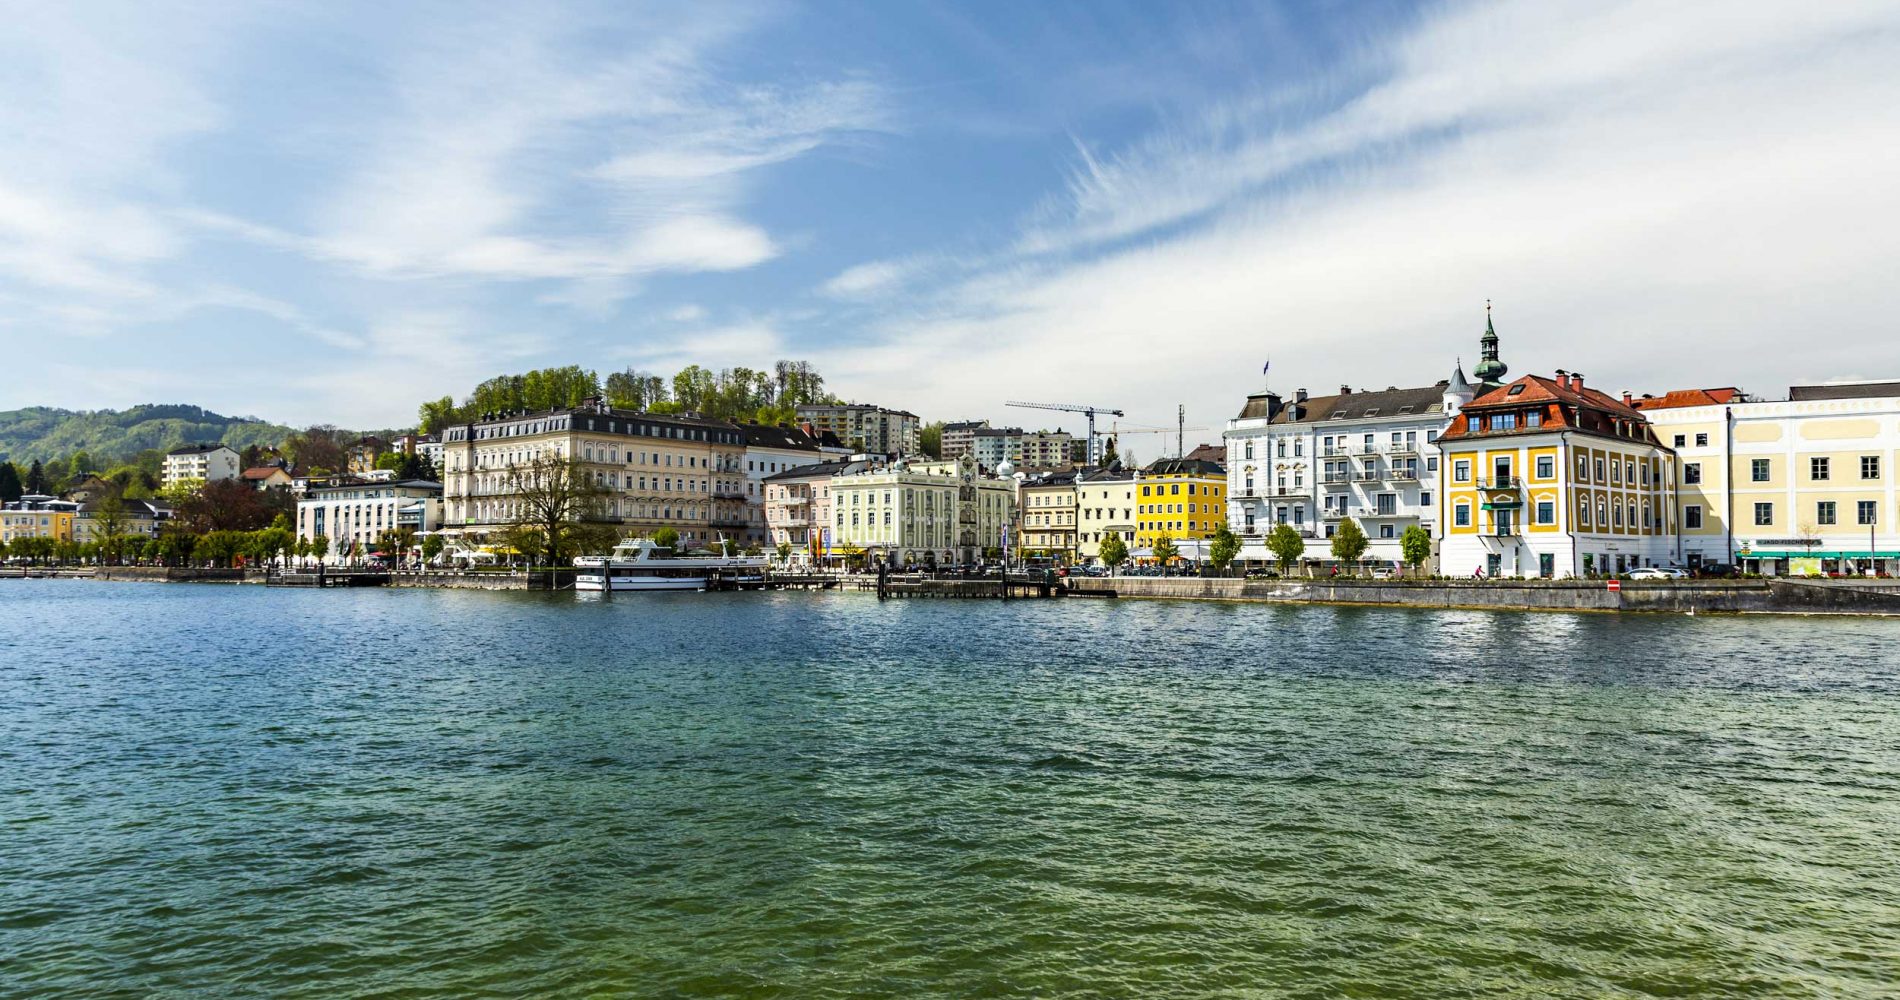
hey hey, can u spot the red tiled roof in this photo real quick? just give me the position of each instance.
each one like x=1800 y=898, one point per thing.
x=1535 y=389
x=1678 y=398
x=261 y=472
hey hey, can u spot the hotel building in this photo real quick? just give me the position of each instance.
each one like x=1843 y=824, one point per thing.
x=1182 y=498
x=927 y=512
x=202 y=462
x=1105 y=505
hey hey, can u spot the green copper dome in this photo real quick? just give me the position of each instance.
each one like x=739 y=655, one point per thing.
x=1489 y=368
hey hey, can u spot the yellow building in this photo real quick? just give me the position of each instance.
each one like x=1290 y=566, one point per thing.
x=1547 y=478
x=1183 y=498
x=37 y=516
x=1801 y=486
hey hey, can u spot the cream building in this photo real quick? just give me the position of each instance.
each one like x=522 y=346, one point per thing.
x=659 y=471
x=353 y=517
x=1549 y=478
x=1048 y=507
x=1105 y=505
x=906 y=514
x=1045 y=451
x=202 y=462
x=958 y=436
x=1803 y=485
x=798 y=507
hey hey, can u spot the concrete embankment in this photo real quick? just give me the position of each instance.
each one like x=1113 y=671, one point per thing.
x=1764 y=595
x=176 y=574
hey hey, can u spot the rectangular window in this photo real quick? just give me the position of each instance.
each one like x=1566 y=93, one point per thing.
x=1864 y=512
x=1461 y=515
x=1461 y=471
x=1680 y=441
x=1692 y=516
x=1764 y=514
x=1546 y=512
x=1817 y=469
x=1692 y=472
x=1824 y=512
x=1546 y=467
x=1870 y=467
x=1758 y=470
x=1601 y=478
x=1425 y=500
x=1702 y=440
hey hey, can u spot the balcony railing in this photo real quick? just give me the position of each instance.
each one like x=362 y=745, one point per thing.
x=1501 y=483
x=1404 y=475
x=1367 y=476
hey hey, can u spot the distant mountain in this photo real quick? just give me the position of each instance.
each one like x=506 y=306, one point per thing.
x=116 y=436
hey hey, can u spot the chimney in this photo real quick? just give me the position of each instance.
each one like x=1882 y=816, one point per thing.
x=1299 y=395
x=1345 y=390
x=1563 y=379
x=1627 y=399
x=1576 y=381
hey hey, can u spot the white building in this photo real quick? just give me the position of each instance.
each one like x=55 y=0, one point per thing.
x=908 y=514
x=1316 y=460
x=992 y=446
x=866 y=428
x=1104 y=506
x=358 y=514
x=769 y=451
x=203 y=462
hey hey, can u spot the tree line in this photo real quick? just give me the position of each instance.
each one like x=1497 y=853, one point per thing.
x=738 y=394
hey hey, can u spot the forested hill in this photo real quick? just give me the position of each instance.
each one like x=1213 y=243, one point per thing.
x=111 y=437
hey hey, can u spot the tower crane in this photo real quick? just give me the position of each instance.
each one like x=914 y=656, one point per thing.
x=1087 y=411
x=1118 y=431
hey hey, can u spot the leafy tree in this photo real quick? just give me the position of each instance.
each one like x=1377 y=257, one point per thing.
x=319 y=448
x=930 y=439
x=319 y=547
x=1226 y=545
x=853 y=558
x=221 y=547
x=784 y=550
x=1415 y=545
x=634 y=389
x=1286 y=545
x=1164 y=550
x=436 y=414
x=153 y=550
x=109 y=521
x=3 y=548
x=1349 y=542
x=755 y=549
x=552 y=495
x=227 y=505
x=10 y=485
x=431 y=547
x=1114 y=551
x=666 y=538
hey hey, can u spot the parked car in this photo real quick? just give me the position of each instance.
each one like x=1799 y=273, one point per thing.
x=1657 y=573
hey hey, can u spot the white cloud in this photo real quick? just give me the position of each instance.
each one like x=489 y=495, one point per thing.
x=868 y=279
x=687 y=313
x=1657 y=196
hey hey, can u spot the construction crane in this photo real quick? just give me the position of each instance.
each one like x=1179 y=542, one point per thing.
x=1087 y=411
x=1178 y=431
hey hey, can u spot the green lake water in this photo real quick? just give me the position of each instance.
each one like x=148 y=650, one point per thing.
x=237 y=792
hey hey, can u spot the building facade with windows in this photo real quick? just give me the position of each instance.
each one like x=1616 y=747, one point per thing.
x=922 y=513
x=202 y=462
x=959 y=436
x=1045 y=451
x=1804 y=485
x=659 y=471
x=1105 y=505
x=770 y=450
x=798 y=508
x=1549 y=478
x=1048 y=506
x=992 y=446
x=1182 y=498
x=866 y=428
x=38 y=515
x=355 y=516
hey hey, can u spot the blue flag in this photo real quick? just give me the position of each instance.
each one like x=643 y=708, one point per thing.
x=1263 y=368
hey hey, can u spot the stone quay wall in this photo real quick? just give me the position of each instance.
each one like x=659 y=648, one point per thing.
x=1764 y=595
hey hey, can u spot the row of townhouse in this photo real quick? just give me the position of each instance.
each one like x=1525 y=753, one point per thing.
x=900 y=513
x=1549 y=477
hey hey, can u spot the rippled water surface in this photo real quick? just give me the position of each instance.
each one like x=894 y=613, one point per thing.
x=244 y=792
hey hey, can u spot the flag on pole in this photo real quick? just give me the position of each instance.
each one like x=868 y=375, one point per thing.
x=1263 y=368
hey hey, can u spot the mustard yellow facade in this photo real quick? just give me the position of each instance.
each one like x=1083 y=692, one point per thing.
x=54 y=524
x=1184 y=499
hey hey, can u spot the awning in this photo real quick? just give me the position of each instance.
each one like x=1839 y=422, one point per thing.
x=1816 y=554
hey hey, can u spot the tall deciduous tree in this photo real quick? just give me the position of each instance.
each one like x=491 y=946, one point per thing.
x=1113 y=551
x=109 y=521
x=1286 y=545
x=1415 y=545
x=555 y=497
x=319 y=448
x=1164 y=550
x=1349 y=542
x=1224 y=547
x=930 y=439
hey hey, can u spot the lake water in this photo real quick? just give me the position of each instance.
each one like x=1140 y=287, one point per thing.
x=233 y=791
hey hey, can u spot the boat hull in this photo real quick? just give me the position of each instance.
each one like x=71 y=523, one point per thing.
x=618 y=584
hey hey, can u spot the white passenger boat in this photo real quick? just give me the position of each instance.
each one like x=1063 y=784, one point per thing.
x=638 y=564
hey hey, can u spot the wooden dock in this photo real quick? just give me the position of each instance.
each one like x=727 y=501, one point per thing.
x=1013 y=586
x=324 y=578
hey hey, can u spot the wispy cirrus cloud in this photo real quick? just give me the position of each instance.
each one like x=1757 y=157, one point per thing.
x=1609 y=173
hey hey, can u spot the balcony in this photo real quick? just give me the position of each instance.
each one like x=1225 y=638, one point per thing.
x=1336 y=481
x=1403 y=475
x=1366 y=476
x=1288 y=493
x=1402 y=449
x=1501 y=483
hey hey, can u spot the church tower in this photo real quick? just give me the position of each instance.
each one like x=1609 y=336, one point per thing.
x=1490 y=370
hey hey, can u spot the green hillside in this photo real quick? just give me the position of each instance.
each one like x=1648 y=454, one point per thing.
x=115 y=436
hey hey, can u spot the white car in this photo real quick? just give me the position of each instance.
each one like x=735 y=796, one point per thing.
x=1657 y=573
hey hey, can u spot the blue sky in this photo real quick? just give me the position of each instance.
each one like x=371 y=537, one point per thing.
x=329 y=212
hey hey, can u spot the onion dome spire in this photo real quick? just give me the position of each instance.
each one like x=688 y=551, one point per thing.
x=1489 y=368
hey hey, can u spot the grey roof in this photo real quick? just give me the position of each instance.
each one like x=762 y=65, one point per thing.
x=1360 y=405
x=199 y=449
x=964 y=425
x=1183 y=467
x=355 y=484
x=816 y=470
x=776 y=436
x=1853 y=390
x=1051 y=479
x=1458 y=383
